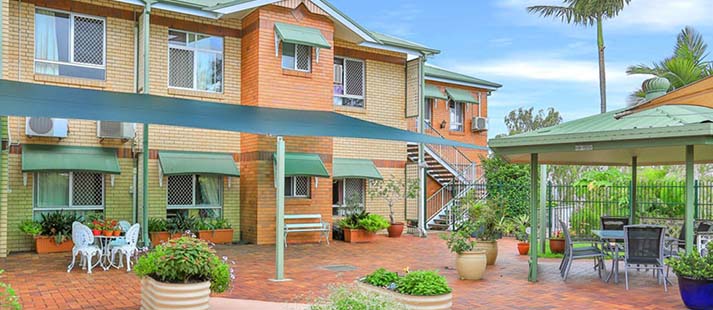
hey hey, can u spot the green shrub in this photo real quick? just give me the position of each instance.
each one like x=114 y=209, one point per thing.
x=352 y=298
x=373 y=223
x=31 y=227
x=423 y=283
x=213 y=224
x=382 y=278
x=459 y=241
x=157 y=224
x=185 y=260
x=693 y=265
x=58 y=225
x=8 y=297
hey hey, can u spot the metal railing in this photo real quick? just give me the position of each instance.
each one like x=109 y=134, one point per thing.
x=450 y=156
x=450 y=195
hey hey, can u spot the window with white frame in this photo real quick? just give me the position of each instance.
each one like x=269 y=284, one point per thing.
x=78 y=192
x=429 y=110
x=348 y=82
x=195 y=61
x=71 y=45
x=197 y=195
x=297 y=187
x=456 y=114
x=296 y=57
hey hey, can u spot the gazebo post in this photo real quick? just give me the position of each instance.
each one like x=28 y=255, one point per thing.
x=689 y=198
x=542 y=231
x=534 y=193
x=632 y=194
x=280 y=210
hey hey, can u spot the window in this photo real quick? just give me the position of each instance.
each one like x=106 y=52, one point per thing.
x=429 y=110
x=296 y=57
x=68 y=44
x=456 y=112
x=297 y=187
x=348 y=82
x=347 y=194
x=79 y=192
x=195 y=61
x=198 y=195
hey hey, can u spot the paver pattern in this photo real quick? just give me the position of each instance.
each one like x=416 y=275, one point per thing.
x=43 y=283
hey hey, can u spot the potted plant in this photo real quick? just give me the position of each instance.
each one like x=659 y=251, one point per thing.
x=362 y=226
x=117 y=231
x=470 y=261
x=522 y=224
x=420 y=289
x=55 y=233
x=393 y=190
x=695 y=278
x=31 y=228
x=215 y=230
x=94 y=225
x=181 y=273
x=352 y=297
x=488 y=225
x=557 y=242
x=181 y=225
x=158 y=231
x=93 y=221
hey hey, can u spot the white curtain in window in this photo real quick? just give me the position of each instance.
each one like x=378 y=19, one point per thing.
x=210 y=190
x=52 y=190
x=46 y=45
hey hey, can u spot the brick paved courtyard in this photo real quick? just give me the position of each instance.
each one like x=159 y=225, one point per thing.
x=42 y=283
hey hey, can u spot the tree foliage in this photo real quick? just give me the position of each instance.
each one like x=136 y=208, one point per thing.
x=525 y=119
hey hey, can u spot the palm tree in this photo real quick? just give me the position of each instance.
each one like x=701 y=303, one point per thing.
x=586 y=13
x=686 y=66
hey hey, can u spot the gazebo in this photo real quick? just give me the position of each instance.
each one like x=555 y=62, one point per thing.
x=665 y=129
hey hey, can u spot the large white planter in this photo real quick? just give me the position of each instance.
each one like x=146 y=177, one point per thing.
x=491 y=250
x=471 y=265
x=438 y=302
x=157 y=295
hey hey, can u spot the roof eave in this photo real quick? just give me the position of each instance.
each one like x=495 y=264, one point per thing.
x=458 y=82
x=176 y=8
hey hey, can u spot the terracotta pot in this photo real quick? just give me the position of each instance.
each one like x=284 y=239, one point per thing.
x=108 y=233
x=437 y=302
x=471 y=265
x=557 y=245
x=176 y=235
x=358 y=235
x=217 y=236
x=96 y=232
x=157 y=295
x=395 y=230
x=491 y=250
x=158 y=237
x=45 y=244
x=117 y=233
x=523 y=248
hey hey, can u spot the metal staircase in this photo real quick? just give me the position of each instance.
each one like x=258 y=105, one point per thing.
x=458 y=176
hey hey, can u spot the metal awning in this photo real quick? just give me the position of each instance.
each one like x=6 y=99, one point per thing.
x=304 y=164
x=461 y=95
x=41 y=158
x=295 y=34
x=343 y=168
x=182 y=163
x=38 y=100
x=432 y=91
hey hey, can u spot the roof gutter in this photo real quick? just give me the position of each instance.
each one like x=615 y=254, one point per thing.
x=176 y=9
x=487 y=87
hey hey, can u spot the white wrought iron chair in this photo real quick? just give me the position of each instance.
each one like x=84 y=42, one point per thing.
x=703 y=240
x=129 y=249
x=83 y=245
x=121 y=240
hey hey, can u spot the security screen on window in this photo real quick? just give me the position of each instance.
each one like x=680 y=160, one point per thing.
x=348 y=82
x=296 y=57
x=195 y=61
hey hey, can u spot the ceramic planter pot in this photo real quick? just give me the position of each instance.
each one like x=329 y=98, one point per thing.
x=696 y=294
x=96 y=232
x=157 y=295
x=491 y=250
x=158 y=237
x=471 y=265
x=108 y=233
x=45 y=244
x=437 y=302
x=557 y=246
x=217 y=236
x=523 y=248
x=117 y=233
x=358 y=235
x=395 y=230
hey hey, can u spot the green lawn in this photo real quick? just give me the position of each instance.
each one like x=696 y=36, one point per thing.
x=549 y=254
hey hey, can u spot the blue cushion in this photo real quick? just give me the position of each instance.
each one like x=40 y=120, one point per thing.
x=118 y=242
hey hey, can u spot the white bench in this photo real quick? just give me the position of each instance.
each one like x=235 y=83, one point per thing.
x=310 y=226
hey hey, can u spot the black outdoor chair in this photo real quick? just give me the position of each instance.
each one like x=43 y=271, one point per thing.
x=571 y=253
x=644 y=249
x=614 y=223
x=674 y=246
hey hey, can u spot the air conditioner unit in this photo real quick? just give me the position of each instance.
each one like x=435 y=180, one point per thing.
x=479 y=124
x=115 y=130
x=46 y=127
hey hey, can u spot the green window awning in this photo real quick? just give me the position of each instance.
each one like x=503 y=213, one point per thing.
x=300 y=35
x=461 y=95
x=432 y=91
x=182 y=163
x=304 y=164
x=355 y=168
x=41 y=157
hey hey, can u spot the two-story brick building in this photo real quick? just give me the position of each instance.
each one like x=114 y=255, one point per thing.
x=295 y=54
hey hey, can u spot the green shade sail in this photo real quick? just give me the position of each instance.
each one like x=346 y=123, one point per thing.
x=355 y=168
x=182 y=163
x=40 y=157
x=304 y=164
x=432 y=91
x=301 y=35
x=461 y=95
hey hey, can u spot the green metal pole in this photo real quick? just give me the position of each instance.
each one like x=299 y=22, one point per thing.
x=534 y=173
x=696 y=186
x=689 y=198
x=421 y=151
x=633 y=190
x=145 y=154
x=280 y=211
x=543 y=214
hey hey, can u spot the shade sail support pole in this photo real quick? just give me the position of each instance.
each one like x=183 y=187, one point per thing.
x=543 y=208
x=633 y=217
x=689 y=199
x=145 y=139
x=421 y=149
x=280 y=211
x=534 y=176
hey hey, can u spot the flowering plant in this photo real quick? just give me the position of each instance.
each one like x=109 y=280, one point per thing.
x=557 y=235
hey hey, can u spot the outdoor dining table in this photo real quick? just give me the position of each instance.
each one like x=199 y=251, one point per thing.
x=104 y=245
x=608 y=237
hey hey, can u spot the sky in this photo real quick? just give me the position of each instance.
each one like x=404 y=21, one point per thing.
x=540 y=62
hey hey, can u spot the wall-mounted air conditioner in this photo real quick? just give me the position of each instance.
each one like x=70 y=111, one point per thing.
x=479 y=124
x=46 y=127
x=115 y=130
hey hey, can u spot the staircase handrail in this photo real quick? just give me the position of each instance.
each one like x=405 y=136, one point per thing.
x=443 y=198
x=451 y=155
